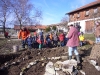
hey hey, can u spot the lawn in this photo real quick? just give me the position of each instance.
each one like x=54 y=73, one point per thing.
x=90 y=36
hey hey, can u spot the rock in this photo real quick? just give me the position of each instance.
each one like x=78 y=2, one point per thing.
x=28 y=66
x=21 y=73
x=64 y=57
x=43 y=64
x=60 y=72
x=18 y=61
x=97 y=67
x=50 y=68
x=93 y=62
x=68 y=68
x=58 y=65
x=28 y=57
x=83 y=73
x=42 y=59
x=71 y=62
x=32 y=63
x=13 y=63
x=23 y=69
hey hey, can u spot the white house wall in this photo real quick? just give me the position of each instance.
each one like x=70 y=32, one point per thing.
x=62 y=28
x=83 y=23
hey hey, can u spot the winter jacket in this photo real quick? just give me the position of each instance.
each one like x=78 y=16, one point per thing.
x=73 y=38
x=29 y=40
x=23 y=34
x=51 y=37
x=35 y=38
x=48 y=38
x=61 y=37
x=55 y=37
x=35 y=33
x=97 y=31
x=81 y=37
x=41 y=33
x=6 y=33
x=40 y=39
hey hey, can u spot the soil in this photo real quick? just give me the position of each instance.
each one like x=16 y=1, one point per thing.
x=24 y=57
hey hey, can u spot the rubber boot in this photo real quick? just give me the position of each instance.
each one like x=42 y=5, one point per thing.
x=40 y=46
x=70 y=57
x=78 y=59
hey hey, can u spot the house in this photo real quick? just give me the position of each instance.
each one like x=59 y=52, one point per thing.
x=60 y=27
x=86 y=16
x=6 y=29
x=31 y=27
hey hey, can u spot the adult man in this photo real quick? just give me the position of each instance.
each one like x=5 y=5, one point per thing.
x=23 y=34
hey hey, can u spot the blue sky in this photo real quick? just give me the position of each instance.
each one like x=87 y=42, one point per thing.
x=54 y=10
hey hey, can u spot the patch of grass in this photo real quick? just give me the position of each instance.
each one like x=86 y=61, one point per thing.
x=3 y=42
x=90 y=36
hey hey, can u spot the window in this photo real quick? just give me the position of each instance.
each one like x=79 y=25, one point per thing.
x=95 y=10
x=87 y=13
x=72 y=16
x=78 y=15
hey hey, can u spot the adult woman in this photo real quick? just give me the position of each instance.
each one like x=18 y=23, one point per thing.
x=23 y=34
x=97 y=33
x=73 y=42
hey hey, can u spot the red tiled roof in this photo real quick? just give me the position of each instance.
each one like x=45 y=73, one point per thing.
x=17 y=27
x=86 y=6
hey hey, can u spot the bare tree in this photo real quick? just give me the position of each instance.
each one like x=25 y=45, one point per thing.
x=95 y=14
x=64 y=20
x=23 y=12
x=4 y=12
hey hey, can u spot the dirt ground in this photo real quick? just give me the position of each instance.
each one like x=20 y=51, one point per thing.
x=24 y=57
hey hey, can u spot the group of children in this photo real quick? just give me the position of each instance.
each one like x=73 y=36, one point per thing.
x=50 y=40
x=40 y=40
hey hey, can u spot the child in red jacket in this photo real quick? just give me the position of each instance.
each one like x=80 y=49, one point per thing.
x=61 y=39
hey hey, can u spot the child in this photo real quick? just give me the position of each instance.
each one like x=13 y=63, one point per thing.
x=40 y=41
x=61 y=39
x=81 y=38
x=35 y=44
x=55 y=40
x=29 y=41
x=48 y=41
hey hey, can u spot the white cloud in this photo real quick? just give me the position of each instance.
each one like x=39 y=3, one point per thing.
x=49 y=14
x=79 y=3
x=83 y=2
x=46 y=3
x=47 y=21
x=74 y=6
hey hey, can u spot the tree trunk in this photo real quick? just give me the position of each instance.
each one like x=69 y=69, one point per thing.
x=4 y=29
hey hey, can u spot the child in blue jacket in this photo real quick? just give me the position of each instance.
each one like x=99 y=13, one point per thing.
x=29 y=41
